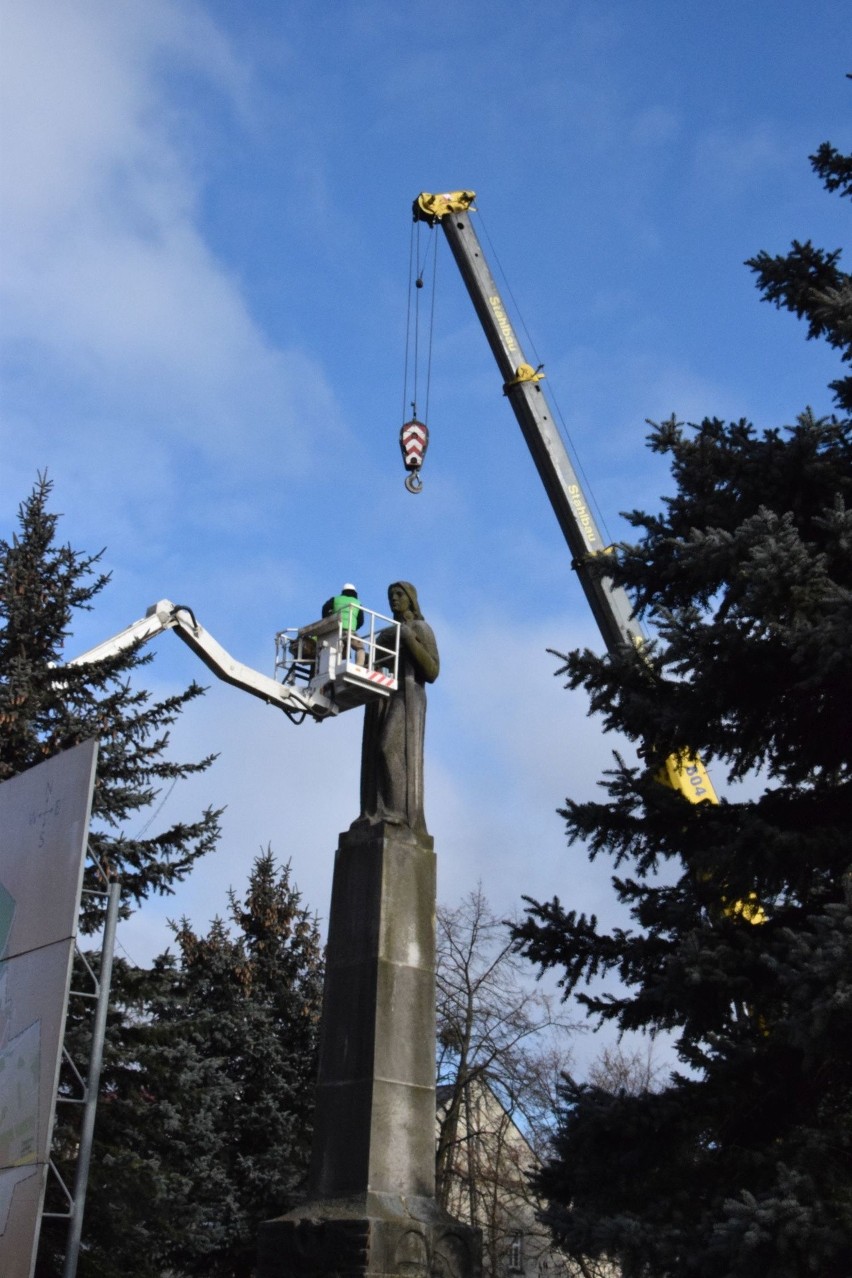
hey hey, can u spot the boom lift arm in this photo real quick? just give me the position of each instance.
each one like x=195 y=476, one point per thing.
x=609 y=603
x=323 y=668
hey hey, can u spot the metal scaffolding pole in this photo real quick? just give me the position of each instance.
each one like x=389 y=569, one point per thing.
x=84 y=1155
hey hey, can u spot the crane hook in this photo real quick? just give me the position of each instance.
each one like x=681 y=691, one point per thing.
x=413 y=441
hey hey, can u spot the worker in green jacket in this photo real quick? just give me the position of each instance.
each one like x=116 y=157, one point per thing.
x=348 y=607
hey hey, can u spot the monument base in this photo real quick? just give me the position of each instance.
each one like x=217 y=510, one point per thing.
x=370 y=1236
x=370 y=1210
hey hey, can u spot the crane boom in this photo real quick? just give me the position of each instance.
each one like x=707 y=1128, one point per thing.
x=609 y=603
x=164 y=615
x=321 y=673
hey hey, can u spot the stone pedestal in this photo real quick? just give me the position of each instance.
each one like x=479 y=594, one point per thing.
x=371 y=1210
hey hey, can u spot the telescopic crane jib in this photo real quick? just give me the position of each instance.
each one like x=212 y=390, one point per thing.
x=321 y=669
x=522 y=386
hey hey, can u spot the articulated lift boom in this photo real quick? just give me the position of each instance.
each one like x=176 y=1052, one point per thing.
x=321 y=669
x=610 y=605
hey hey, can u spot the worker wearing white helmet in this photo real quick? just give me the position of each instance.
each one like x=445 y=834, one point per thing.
x=348 y=607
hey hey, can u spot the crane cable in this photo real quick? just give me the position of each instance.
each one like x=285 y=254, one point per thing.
x=749 y=907
x=560 y=422
x=414 y=435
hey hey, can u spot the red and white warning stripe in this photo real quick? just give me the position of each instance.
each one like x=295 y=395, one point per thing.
x=376 y=676
x=414 y=440
x=370 y=676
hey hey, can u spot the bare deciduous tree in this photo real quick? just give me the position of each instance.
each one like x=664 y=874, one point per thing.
x=502 y=1048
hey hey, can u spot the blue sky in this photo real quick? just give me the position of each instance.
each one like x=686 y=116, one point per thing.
x=205 y=238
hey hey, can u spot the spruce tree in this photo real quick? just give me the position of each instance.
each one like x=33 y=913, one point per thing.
x=211 y=1065
x=47 y=707
x=741 y=1166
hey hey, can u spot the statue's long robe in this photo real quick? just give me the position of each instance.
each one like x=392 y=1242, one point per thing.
x=392 y=750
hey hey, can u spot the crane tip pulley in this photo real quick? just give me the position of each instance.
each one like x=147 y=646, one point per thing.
x=431 y=208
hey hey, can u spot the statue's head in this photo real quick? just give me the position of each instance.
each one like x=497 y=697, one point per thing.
x=402 y=598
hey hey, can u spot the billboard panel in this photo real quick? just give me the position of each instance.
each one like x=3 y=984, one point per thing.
x=44 y=822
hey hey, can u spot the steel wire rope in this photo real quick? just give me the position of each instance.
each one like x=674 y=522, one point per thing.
x=561 y=424
x=758 y=917
x=433 y=240
x=409 y=309
x=413 y=348
x=152 y=818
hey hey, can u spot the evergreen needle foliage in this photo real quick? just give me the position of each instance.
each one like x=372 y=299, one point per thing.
x=46 y=707
x=204 y=1118
x=211 y=1062
x=741 y=1166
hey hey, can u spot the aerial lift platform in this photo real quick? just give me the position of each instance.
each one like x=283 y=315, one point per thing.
x=321 y=669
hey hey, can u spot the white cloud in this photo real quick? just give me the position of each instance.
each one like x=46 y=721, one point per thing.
x=88 y=120
x=131 y=324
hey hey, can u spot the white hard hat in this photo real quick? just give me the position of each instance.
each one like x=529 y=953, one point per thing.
x=347 y=585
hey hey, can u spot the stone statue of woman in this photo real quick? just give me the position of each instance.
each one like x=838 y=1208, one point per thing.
x=392 y=751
